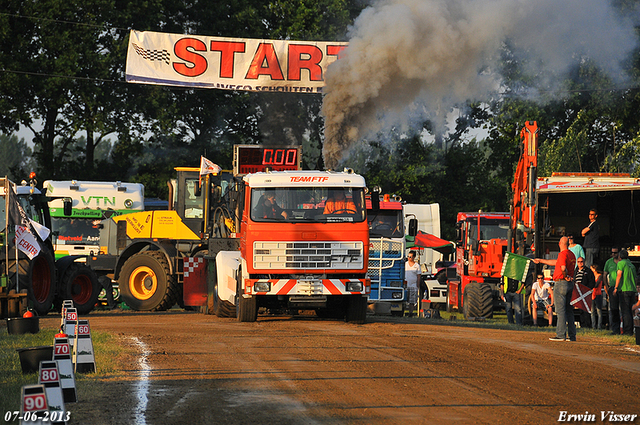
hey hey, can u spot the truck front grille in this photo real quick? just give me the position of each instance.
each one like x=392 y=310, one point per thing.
x=308 y=255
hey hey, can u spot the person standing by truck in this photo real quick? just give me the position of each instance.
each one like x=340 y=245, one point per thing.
x=610 y=274
x=625 y=287
x=596 y=298
x=565 y=266
x=576 y=248
x=511 y=292
x=591 y=235
x=412 y=274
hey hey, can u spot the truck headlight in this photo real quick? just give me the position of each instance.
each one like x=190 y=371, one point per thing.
x=396 y=283
x=354 y=286
x=262 y=286
x=396 y=295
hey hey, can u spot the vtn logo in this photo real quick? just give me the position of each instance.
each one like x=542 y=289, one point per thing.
x=99 y=201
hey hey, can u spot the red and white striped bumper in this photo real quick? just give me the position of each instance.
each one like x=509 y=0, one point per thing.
x=306 y=287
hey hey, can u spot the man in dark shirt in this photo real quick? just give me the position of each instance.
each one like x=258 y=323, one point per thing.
x=267 y=207
x=584 y=275
x=591 y=235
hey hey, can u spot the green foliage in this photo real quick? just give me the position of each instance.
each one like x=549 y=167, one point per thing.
x=63 y=79
x=15 y=161
x=626 y=159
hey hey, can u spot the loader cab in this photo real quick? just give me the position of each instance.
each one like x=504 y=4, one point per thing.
x=189 y=198
x=34 y=204
x=194 y=197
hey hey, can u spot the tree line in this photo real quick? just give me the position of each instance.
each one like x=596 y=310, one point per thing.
x=62 y=79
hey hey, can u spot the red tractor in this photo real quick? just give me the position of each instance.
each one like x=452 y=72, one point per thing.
x=481 y=243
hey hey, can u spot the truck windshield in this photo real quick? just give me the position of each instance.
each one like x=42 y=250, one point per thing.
x=76 y=231
x=386 y=224
x=28 y=205
x=489 y=229
x=308 y=204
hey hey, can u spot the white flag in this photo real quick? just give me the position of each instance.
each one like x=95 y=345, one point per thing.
x=43 y=231
x=208 y=167
x=26 y=242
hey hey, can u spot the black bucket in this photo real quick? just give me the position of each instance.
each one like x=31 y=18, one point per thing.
x=31 y=357
x=23 y=325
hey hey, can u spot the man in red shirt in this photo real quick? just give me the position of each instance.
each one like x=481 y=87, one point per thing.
x=565 y=266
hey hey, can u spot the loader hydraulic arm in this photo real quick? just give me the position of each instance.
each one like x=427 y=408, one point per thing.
x=523 y=187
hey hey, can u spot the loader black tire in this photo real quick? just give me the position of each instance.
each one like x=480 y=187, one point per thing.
x=356 y=309
x=80 y=284
x=41 y=281
x=477 y=301
x=146 y=284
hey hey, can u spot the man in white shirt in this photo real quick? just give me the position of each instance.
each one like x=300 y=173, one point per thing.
x=541 y=297
x=412 y=275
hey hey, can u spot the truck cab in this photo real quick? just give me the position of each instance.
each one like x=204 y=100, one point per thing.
x=76 y=231
x=303 y=245
x=387 y=253
x=481 y=244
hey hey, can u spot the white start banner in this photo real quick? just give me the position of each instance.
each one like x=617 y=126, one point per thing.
x=229 y=63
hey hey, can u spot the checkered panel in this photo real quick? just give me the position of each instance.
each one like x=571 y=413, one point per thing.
x=153 y=55
x=191 y=264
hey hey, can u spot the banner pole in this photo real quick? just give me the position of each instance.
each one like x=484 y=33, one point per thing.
x=17 y=269
x=6 y=236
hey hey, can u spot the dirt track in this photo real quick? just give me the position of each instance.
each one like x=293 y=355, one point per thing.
x=197 y=369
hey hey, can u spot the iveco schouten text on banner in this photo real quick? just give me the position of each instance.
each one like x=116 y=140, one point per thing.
x=229 y=63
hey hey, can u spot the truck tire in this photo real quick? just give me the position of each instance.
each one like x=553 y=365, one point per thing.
x=80 y=284
x=222 y=308
x=41 y=281
x=356 y=309
x=247 y=309
x=477 y=301
x=146 y=284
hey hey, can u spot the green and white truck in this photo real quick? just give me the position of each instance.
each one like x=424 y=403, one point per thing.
x=77 y=209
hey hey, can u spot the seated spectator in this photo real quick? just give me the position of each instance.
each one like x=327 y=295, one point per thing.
x=541 y=298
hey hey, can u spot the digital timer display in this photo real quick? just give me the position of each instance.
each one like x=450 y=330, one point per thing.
x=255 y=158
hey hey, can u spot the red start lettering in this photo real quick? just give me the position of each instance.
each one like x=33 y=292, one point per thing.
x=308 y=179
x=193 y=62
x=186 y=49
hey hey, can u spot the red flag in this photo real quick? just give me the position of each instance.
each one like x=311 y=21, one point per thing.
x=581 y=297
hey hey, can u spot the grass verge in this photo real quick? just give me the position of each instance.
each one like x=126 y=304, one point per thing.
x=108 y=354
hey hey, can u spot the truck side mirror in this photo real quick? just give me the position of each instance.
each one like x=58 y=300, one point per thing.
x=413 y=227
x=375 y=202
x=67 y=205
x=459 y=234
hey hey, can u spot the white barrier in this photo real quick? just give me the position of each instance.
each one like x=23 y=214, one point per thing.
x=34 y=405
x=70 y=322
x=83 y=357
x=62 y=354
x=49 y=376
